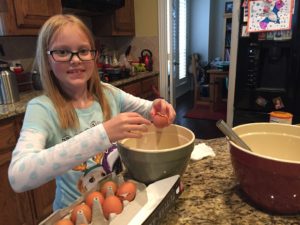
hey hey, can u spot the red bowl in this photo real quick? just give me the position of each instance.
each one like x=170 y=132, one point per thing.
x=270 y=174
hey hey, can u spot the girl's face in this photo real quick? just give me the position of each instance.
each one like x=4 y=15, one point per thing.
x=74 y=74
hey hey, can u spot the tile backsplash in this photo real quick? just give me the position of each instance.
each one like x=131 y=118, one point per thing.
x=19 y=50
x=22 y=49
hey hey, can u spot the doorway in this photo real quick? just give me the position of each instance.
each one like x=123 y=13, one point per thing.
x=167 y=80
x=173 y=48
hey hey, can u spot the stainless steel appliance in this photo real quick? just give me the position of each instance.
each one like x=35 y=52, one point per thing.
x=9 y=92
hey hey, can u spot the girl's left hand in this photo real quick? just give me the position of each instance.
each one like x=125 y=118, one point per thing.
x=160 y=106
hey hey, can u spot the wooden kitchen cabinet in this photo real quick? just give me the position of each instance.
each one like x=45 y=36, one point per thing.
x=42 y=199
x=14 y=208
x=142 y=87
x=121 y=22
x=28 y=208
x=133 y=88
x=25 y=17
x=148 y=86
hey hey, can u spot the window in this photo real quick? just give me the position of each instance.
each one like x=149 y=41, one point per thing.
x=182 y=39
x=179 y=35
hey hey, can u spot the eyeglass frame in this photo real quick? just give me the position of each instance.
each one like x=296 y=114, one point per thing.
x=50 y=52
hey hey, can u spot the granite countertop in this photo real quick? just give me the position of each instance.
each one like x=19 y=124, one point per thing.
x=9 y=110
x=212 y=196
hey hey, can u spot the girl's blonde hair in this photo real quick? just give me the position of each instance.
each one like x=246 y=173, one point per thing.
x=62 y=103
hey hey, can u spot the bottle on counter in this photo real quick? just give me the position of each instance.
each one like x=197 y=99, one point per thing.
x=36 y=80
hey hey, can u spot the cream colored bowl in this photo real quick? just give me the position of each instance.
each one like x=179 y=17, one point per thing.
x=270 y=174
x=160 y=153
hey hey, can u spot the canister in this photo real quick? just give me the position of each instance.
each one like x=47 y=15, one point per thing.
x=9 y=92
x=281 y=117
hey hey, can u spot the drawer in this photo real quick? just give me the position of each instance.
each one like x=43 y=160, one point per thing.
x=133 y=88
x=148 y=83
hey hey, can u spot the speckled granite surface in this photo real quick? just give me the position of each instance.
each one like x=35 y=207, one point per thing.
x=19 y=107
x=212 y=196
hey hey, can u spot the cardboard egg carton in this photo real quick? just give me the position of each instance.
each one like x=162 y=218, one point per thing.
x=149 y=206
x=129 y=208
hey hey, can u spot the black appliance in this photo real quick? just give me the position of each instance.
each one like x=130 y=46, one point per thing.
x=93 y=5
x=267 y=76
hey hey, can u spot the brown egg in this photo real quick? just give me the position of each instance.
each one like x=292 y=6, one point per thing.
x=112 y=204
x=90 y=198
x=107 y=184
x=126 y=191
x=86 y=211
x=64 y=222
x=160 y=120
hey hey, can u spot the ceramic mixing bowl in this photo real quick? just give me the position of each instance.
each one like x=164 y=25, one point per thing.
x=270 y=174
x=160 y=153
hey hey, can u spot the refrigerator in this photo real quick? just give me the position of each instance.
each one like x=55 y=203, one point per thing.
x=268 y=70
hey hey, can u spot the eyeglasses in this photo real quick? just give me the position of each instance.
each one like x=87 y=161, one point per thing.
x=62 y=55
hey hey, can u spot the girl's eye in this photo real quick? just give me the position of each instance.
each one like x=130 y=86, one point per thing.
x=84 y=51
x=62 y=52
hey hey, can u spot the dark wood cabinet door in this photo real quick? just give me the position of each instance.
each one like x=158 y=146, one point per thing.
x=33 y=13
x=28 y=208
x=42 y=200
x=150 y=87
x=121 y=22
x=124 y=19
x=15 y=208
x=133 y=88
x=8 y=136
x=25 y=17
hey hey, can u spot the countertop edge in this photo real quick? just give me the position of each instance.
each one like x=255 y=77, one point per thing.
x=17 y=108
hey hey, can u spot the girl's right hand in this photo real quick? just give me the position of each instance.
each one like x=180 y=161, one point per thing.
x=125 y=125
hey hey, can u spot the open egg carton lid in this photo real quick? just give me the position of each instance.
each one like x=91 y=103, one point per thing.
x=149 y=206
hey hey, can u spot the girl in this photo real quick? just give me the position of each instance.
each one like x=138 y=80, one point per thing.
x=77 y=118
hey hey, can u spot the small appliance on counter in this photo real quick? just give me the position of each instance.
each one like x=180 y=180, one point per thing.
x=146 y=57
x=9 y=92
x=36 y=80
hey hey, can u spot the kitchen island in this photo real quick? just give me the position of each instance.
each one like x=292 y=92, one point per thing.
x=212 y=195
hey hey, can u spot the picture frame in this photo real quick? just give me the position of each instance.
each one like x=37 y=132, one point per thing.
x=258 y=16
x=228 y=7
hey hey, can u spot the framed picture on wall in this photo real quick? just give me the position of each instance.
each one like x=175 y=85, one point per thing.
x=228 y=7
x=265 y=16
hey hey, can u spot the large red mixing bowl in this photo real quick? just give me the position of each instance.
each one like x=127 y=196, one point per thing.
x=270 y=174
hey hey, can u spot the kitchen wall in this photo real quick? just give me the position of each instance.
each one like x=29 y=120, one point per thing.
x=146 y=32
x=207 y=28
x=22 y=49
x=19 y=49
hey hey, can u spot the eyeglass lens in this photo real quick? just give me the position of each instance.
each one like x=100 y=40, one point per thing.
x=65 y=55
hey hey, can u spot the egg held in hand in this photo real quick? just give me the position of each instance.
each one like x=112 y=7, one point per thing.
x=126 y=191
x=160 y=120
x=86 y=210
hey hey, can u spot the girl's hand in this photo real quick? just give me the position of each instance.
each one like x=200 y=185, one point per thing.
x=126 y=125
x=160 y=106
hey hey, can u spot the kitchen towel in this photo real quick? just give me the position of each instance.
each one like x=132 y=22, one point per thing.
x=202 y=151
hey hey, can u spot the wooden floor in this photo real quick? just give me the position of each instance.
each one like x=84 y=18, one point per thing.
x=203 y=129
